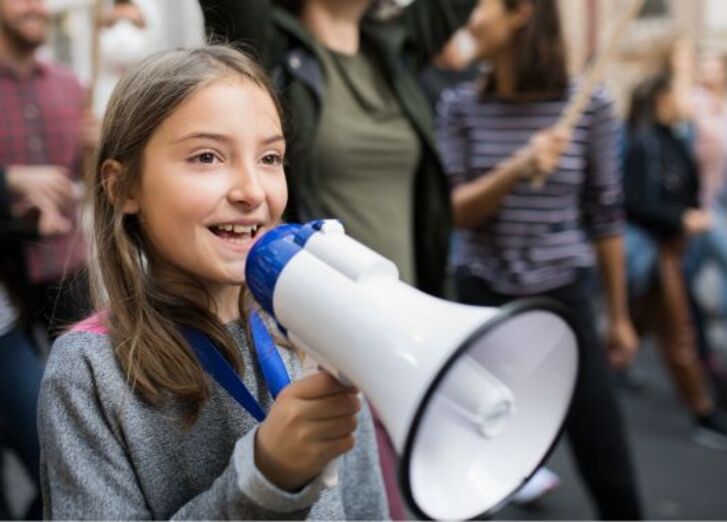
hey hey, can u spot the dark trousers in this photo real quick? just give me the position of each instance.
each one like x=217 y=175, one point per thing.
x=594 y=426
x=20 y=374
x=667 y=311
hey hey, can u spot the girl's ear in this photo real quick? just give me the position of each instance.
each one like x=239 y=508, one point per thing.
x=111 y=170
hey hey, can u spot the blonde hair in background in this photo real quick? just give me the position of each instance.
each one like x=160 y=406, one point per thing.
x=143 y=315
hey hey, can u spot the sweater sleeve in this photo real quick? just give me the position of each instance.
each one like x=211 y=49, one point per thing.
x=242 y=492
x=452 y=139
x=603 y=195
x=86 y=472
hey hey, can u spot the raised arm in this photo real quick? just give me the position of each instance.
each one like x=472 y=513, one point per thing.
x=477 y=196
x=431 y=23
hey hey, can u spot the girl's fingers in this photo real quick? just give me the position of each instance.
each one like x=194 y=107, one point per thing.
x=51 y=222
x=333 y=448
x=331 y=429
x=331 y=407
x=59 y=190
x=315 y=386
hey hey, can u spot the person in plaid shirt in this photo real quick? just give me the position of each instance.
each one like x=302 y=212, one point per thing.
x=41 y=131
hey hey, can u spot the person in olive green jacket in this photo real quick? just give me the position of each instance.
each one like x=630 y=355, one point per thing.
x=360 y=128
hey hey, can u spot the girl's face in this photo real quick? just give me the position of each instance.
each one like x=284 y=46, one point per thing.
x=494 y=26
x=212 y=181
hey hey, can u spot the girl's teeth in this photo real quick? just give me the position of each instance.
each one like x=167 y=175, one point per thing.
x=238 y=229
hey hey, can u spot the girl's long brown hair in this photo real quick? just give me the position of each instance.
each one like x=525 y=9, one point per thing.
x=143 y=314
x=540 y=58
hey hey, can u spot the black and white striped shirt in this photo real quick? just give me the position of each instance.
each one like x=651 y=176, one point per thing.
x=538 y=238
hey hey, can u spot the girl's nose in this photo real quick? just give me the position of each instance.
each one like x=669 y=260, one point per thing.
x=247 y=189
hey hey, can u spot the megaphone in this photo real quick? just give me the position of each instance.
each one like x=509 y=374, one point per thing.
x=473 y=398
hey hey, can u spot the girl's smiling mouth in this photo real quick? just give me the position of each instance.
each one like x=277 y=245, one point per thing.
x=235 y=233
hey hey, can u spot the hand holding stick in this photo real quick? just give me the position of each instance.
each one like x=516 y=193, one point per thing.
x=576 y=106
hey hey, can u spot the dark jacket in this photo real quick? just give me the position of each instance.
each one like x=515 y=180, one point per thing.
x=13 y=233
x=402 y=50
x=660 y=181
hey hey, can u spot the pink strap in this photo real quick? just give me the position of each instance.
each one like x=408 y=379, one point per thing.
x=95 y=324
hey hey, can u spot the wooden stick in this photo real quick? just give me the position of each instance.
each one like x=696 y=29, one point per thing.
x=574 y=110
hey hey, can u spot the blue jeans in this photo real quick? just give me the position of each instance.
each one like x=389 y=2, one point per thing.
x=20 y=374
x=642 y=253
x=641 y=257
x=711 y=246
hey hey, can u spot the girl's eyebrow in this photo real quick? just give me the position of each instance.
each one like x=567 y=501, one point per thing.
x=204 y=135
x=274 y=139
x=223 y=138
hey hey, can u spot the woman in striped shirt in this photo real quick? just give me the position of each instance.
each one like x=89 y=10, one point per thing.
x=520 y=240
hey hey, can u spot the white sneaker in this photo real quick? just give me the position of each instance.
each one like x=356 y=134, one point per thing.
x=540 y=484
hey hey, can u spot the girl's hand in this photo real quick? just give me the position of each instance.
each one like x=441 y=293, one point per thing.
x=311 y=422
x=622 y=342
x=542 y=154
x=546 y=148
x=47 y=190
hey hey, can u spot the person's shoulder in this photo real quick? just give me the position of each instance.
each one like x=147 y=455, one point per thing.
x=80 y=349
x=459 y=95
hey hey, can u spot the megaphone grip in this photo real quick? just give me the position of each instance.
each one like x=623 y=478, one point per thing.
x=329 y=475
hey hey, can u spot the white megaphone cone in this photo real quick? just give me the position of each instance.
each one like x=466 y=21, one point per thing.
x=472 y=397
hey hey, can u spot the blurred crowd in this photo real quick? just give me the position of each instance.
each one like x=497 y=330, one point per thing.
x=453 y=165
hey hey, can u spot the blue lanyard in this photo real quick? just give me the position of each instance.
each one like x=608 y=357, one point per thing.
x=273 y=369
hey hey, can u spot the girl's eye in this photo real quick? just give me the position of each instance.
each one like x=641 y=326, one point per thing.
x=272 y=159
x=205 y=157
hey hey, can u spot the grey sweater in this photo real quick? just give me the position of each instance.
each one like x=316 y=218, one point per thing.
x=106 y=454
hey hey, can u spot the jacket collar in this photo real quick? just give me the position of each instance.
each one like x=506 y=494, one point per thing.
x=304 y=62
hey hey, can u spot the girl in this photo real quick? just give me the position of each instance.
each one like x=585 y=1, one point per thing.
x=189 y=173
x=518 y=240
x=662 y=204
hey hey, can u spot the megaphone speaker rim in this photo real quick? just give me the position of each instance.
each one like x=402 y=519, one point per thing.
x=508 y=311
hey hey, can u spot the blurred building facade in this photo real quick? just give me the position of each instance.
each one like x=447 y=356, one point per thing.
x=180 y=24
x=587 y=24
x=660 y=23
